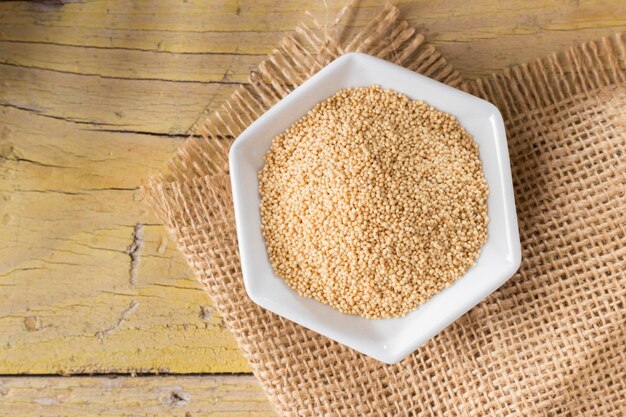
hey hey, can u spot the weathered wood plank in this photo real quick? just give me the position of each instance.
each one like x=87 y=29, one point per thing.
x=88 y=279
x=131 y=64
x=97 y=103
x=479 y=37
x=150 y=80
x=190 y=26
x=211 y=396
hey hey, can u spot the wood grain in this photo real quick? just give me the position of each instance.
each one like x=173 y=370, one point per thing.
x=184 y=396
x=479 y=36
x=96 y=103
x=82 y=290
x=94 y=98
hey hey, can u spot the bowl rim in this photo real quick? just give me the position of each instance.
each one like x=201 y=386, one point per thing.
x=388 y=354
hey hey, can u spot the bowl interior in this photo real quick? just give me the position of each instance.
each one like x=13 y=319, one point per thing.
x=388 y=340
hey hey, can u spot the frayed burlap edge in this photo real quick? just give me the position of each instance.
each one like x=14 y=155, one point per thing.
x=580 y=70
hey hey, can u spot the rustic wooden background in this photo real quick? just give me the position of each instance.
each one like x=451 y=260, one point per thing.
x=95 y=95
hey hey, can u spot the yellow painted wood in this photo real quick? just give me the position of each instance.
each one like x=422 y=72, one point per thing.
x=208 y=396
x=96 y=103
x=130 y=63
x=73 y=298
x=96 y=95
x=478 y=36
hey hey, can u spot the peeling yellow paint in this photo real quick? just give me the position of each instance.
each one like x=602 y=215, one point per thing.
x=84 y=288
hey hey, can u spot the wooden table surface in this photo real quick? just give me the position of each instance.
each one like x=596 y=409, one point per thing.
x=95 y=95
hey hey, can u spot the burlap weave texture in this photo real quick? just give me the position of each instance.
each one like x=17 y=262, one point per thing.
x=552 y=341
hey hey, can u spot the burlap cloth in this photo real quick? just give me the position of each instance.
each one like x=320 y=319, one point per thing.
x=550 y=342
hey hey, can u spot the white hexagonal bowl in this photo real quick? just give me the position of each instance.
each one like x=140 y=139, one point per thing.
x=388 y=340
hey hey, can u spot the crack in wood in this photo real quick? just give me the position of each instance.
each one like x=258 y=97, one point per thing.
x=12 y=271
x=31 y=161
x=51 y=116
x=178 y=287
x=134 y=251
x=81 y=191
x=123 y=317
x=125 y=48
x=111 y=77
x=147 y=133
